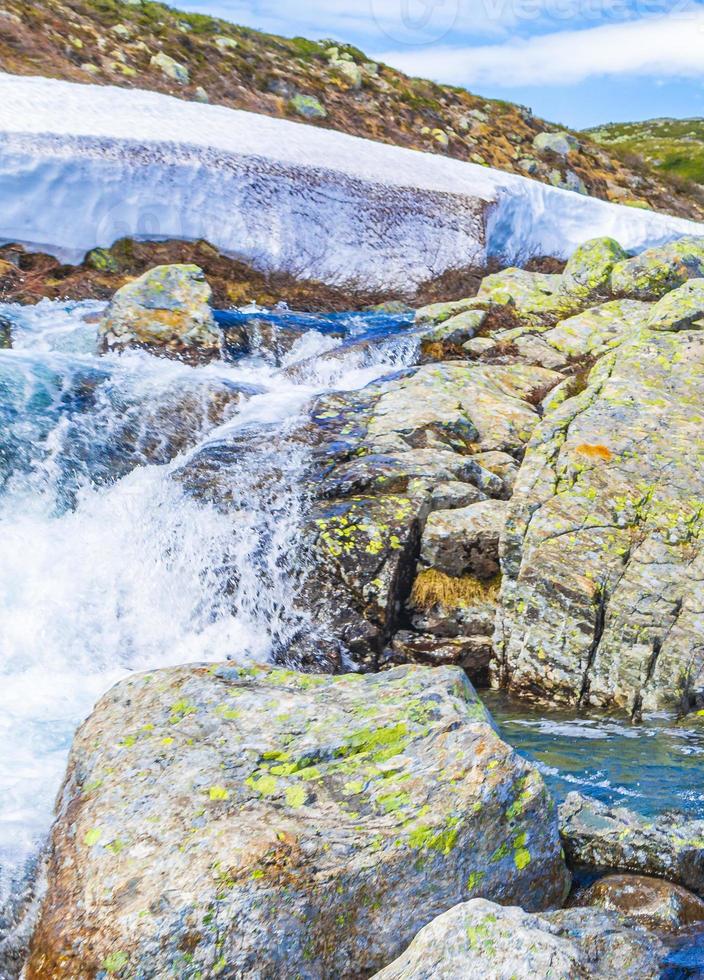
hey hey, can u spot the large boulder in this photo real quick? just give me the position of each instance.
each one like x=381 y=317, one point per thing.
x=681 y=309
x=654 y=903
x=465 y=541
x=599 y=836
x=481 y=940
x=602 y=555
x=560 y=143
x=656 y=271
x=258 y=822
x=587 y=275
x=165 y=311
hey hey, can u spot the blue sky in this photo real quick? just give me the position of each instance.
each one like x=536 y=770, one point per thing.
x=579 y=62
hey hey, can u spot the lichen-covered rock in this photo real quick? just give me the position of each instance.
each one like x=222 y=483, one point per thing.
x=536 y=295
x=445 y=341
x=596 y=330
x=602 y=556
x=166 y=311
x=481 y=940
x=308 y=106
x=587 y=275
x=560 y=143
x=656 y=271
x=440 y=312
x=256 y=822
x=465 y=541
x=599 y=836
x=170 y=68
x=654 y=903
x=681 y=309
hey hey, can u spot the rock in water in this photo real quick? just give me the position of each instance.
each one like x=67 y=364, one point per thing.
x=482 y=941
x=654 y=903
x=602 y=557
x=260 y=822
x=166 y=311
x=598 y=836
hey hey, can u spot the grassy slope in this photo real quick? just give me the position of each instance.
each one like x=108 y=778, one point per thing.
x=671 y=146
x=111 y=42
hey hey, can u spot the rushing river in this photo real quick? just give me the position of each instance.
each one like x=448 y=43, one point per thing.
x=107 y=567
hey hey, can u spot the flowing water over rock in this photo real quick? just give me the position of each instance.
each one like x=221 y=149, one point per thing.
x=106 y=565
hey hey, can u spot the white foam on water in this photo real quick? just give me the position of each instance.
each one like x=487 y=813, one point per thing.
x=134 y=574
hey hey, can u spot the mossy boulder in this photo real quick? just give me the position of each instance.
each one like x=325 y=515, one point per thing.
x=165 y=311
x=240 y=821
x=479 y=939
x=657 y=271
x=308 y=106
x=437 y=313
x=536 y=296
x=681 y=309
x=587 y=276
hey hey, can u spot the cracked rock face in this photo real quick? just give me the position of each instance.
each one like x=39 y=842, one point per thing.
x=481 y=940
x=261 y=822
x=603 y=590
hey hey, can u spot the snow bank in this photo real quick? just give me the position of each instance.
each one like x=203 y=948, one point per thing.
x=82 y=165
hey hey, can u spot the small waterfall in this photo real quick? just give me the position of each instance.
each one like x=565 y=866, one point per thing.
x=115 y=554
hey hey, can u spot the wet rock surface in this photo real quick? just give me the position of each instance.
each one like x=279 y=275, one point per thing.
x=193 y=836
x=166 y=311
x=598 y=836
x=652 y=902
x=481 y=939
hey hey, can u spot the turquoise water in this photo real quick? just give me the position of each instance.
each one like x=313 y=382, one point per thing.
x=649 y=768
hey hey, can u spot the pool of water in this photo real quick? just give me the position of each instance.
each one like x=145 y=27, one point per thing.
x=649 y=768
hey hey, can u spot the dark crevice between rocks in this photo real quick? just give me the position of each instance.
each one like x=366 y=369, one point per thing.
x=599 y=624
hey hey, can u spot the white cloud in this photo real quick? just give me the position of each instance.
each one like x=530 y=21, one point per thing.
x=671 y=45
x=404 y=22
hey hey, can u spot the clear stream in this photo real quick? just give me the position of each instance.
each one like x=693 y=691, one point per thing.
x=106 y=567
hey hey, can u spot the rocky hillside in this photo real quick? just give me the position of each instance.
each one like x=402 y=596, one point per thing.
x=674 y=147
x=148 y=45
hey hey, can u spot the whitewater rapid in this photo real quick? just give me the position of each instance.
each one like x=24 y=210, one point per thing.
x=83 y=165
x=106 y=566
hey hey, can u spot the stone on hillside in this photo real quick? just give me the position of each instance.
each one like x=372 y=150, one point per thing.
x=657 y=271
x=587 y=275
x=599 y=836
x=681 y=309
x=351 y=71
x=165 y=310
x=560 y=143
x=603 y=554
x=308 y=106
x=230 y=821
x=479 y=940
x=465 y=541
x=654 y=903
x=224 y=43
x=170 y=68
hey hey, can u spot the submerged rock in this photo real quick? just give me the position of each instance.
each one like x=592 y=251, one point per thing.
x=252 y=821
x=598 y=836
x=5 y=333
x=166 y=311
x=652 y=902
x=481 y=940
